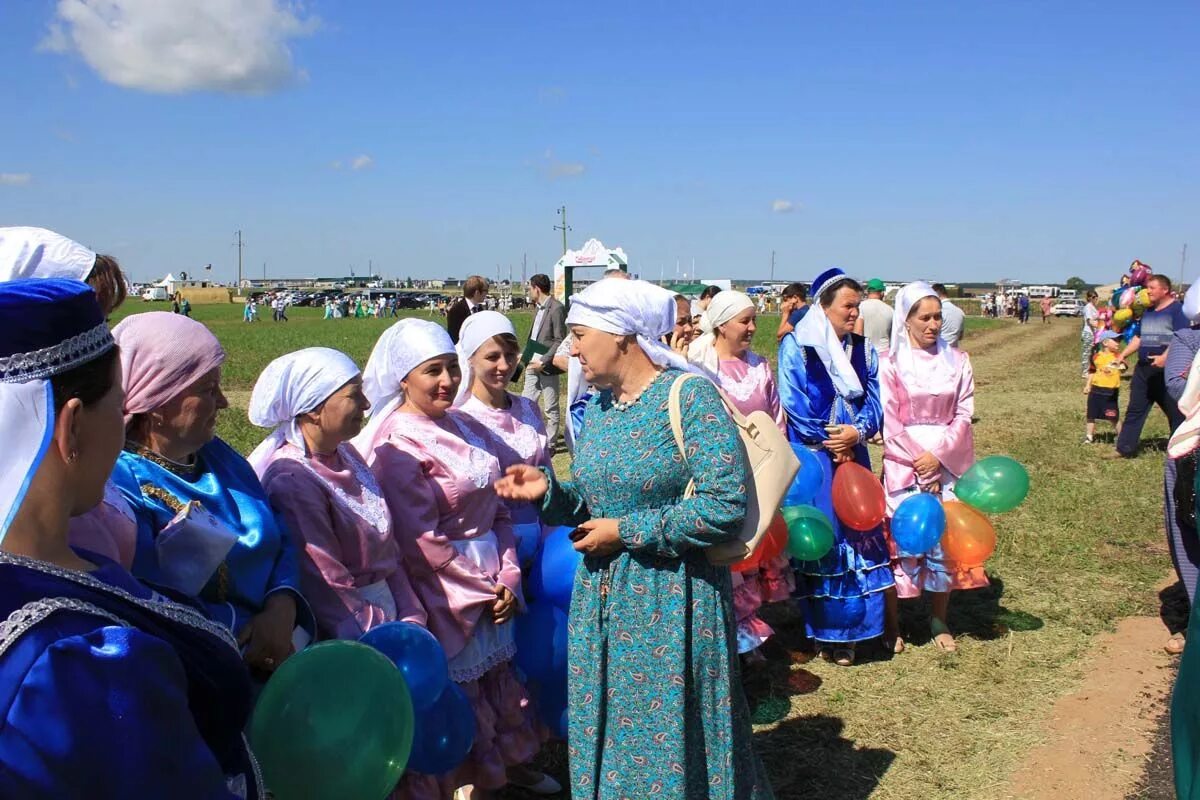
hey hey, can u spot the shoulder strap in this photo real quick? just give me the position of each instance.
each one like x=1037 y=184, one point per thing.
x=673 y=407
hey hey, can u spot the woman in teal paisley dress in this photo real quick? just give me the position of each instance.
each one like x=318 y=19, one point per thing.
x=656 y=708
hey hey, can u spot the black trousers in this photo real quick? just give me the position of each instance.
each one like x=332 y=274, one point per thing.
x=1147 y=389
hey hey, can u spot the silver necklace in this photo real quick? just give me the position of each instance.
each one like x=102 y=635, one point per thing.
x=630 y=402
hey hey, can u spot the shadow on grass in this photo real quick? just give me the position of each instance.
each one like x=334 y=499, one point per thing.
x=809 y=757
x=977 y=613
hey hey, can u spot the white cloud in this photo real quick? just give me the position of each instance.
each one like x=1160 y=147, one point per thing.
x=362 y=162
x=15 y=178
x=176 y=46
x=553 y=169
x=783 y=207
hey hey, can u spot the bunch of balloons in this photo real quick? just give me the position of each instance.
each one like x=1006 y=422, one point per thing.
x=541 y=632
x=1129 y=301
x=335 y=720
x=857 y=501
x=994 y=485
x=444 y=725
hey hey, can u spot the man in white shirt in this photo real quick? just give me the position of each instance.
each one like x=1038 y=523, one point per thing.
x=952 y=318
x=875 y=316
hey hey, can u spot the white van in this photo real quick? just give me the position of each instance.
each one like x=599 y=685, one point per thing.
x=154 y=293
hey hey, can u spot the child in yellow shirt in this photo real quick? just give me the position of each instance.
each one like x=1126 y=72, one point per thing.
x=1103 y=388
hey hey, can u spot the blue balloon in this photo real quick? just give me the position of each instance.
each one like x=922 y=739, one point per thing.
x=553 y=575
x=541 y=638
x=419 y=656
x=918 y=524
x=528 y=536
x=443 y=733
x=551 y=699
x=807 y=482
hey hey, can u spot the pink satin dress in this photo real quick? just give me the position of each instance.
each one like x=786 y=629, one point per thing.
x=931 y=413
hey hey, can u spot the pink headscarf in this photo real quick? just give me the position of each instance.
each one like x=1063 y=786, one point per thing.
x=162 y=354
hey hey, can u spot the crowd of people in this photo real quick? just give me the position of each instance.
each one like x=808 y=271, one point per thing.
x=154 y=578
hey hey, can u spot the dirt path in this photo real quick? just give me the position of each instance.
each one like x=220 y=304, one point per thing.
x=1099 y=738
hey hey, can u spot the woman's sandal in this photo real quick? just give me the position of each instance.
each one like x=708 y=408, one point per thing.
x=942 y=636
x=1175 y=644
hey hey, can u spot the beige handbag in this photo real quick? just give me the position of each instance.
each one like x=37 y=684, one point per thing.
x=772 y=467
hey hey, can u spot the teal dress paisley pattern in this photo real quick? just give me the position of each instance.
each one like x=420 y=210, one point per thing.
x=656 y=706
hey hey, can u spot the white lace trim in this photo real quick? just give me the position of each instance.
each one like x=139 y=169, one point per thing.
x=741 y=388
x=373 y=508
x=58 y=358
x=479 y=461
x=494 y=659
x=30 y=614
x=157 y=604
x=525 y=439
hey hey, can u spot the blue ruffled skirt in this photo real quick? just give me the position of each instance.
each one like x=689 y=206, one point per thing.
x=841 y=595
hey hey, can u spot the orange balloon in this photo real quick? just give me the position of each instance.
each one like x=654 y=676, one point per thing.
x=858 y=497
x=772 y=544
x=970 y=538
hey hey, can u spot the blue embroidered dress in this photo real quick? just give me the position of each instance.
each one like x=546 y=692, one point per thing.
x=262 y=562
x=108 y=690
x=656 y=709
x=841 y=594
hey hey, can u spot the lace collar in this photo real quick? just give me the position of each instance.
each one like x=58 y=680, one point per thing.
x=371 y=507
x=478 y=463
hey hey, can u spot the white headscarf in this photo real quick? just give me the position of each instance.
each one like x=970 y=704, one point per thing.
x=1191 y=302
x=815 y=331
x=631 y=307
x=292 y=385
x=41 y=253
x=901 y=347
x=401 y=348
x=477 y=329
x=721 y=309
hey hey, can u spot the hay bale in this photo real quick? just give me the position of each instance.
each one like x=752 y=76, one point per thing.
x=208 y=296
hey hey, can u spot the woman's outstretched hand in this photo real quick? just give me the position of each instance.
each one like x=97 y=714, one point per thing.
x=522 y=482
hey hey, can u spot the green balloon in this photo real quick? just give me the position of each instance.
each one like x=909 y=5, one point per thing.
x=993 y=485
x=810 y=534
x=334 y=721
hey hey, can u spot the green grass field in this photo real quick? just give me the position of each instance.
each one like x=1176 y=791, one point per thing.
x=1083 y=551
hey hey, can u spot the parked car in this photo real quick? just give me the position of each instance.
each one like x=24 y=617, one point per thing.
x=1068 y=308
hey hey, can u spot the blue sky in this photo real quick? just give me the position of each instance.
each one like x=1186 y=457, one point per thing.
x=954 y=141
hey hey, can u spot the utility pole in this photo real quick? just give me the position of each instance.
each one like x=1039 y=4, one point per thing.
x=772 y=266
x=1182 y=262
x=524 y=268
x=239 y=247
x=564 y=227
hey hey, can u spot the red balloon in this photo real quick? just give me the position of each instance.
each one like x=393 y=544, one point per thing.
x=771 y=545
x=970 y=538
x=858 y=497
